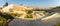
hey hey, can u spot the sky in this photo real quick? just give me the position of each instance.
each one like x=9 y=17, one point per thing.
x=37 y=3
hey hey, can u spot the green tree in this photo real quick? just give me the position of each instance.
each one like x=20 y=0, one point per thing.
x=6 y=16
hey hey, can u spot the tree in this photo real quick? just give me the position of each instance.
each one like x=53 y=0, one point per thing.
x=6 y=4
x=6 y=16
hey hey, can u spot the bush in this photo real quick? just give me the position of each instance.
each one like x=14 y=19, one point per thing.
x=2 y=21
x=29 y=16
x=12 y=14
x=1 y=24
x=18 y=15
x=4 y=17
x=29 y=11
x=57 y=24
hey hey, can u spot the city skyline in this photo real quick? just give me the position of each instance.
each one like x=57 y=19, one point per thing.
x=37 y=3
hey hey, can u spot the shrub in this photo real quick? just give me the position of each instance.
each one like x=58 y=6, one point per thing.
x=29 y=16
x=1 y=24
x=2 y=21
x=4 y=17
x=29 y=11
x=18 y=15
x=12 y=14
x=57 y=24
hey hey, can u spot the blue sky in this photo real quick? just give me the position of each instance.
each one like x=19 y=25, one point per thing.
x=37 y=3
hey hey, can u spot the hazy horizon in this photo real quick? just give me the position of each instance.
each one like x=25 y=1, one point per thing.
x=37 y=3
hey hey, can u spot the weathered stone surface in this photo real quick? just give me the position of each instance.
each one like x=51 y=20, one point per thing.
x=38 y=22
